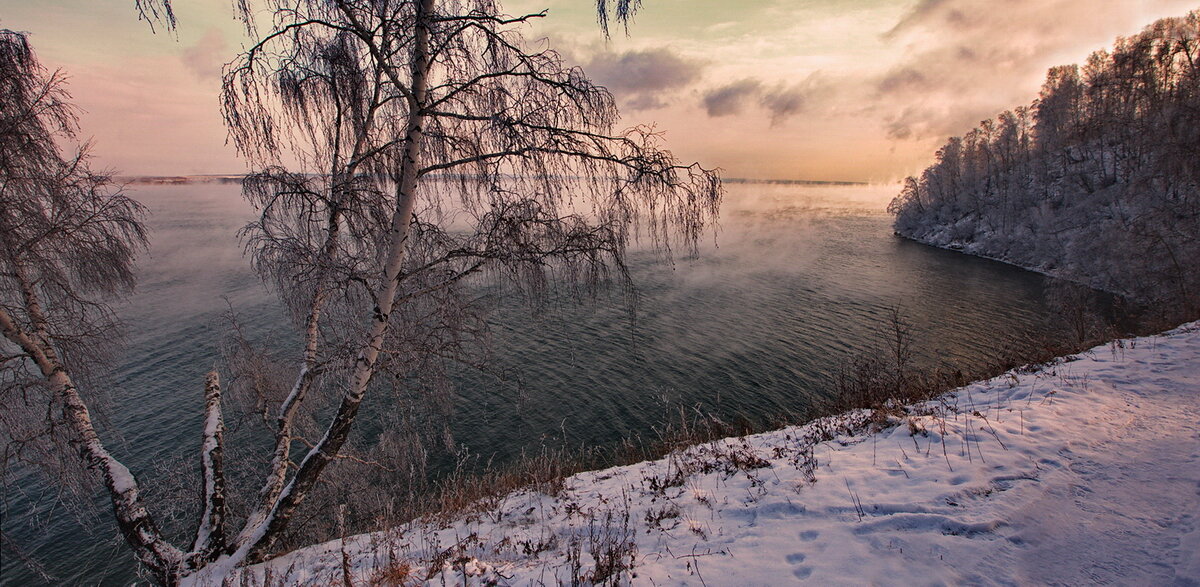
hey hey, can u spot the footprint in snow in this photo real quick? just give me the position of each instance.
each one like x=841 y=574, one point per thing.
x=797 y=558
x=809 y=535
x=802 y=572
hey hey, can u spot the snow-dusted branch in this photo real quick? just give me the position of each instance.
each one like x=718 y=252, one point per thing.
x=135 y=522
x=210 y=536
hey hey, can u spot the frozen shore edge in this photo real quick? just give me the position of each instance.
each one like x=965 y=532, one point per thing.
x=969 y=249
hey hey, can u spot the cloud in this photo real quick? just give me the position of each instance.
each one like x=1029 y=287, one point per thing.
x=928 y=11
x=961 y=61
x=898 y=129
x=785 y=101
x=916 y=122
x=780 y=101
x=644 y=79
x=731 y=98
x=898 y=77
x=207 y=56
x=901 y=79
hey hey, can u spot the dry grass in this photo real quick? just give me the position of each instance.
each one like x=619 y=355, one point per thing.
x=872 y=391
x=397 y=574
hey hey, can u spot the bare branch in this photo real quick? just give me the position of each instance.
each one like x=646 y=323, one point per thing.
x=156 y=11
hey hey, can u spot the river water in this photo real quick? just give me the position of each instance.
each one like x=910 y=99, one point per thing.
x=796 y=280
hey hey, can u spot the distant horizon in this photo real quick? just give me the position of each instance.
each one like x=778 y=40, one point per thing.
x=166 y=178
x=845 y=90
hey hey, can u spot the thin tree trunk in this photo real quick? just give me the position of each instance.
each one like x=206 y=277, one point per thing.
x=274 y=483
x=256 y=541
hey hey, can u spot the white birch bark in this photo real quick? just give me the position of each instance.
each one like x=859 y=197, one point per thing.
x=256 y=538
x=132 y=517
x=210 y=536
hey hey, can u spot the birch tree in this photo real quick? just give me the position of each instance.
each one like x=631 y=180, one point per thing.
x=408 y=153
x=434 y=147
x=68 y=240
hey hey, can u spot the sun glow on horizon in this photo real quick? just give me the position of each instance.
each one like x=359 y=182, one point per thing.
x=849 y=90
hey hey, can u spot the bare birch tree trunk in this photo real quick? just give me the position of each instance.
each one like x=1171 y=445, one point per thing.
x=132 y=517
x=210 y=536
x=256 y=540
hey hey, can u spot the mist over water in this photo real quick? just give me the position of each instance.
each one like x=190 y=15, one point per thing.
x=797 y=280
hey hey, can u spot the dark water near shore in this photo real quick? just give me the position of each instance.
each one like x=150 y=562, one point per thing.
x=799 y=280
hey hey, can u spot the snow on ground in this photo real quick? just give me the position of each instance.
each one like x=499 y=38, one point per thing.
x=1087 y=471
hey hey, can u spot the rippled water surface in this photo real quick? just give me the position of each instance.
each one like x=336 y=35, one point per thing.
x=797 y=280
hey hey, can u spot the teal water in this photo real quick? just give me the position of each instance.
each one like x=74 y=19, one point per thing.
x=797 y=280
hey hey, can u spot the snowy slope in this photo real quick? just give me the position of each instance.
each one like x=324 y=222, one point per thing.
x=1087 y=471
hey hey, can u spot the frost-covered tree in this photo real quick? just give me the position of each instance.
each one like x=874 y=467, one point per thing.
x=1096 y=182
x=408 y=154
x=67 y=242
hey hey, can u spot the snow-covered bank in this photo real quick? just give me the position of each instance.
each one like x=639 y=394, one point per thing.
x=1087 y=471
x=976 y=249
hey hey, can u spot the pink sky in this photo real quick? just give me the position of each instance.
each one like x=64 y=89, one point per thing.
x=860 y=90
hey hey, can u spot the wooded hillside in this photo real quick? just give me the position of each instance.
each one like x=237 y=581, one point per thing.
x=1097 y=181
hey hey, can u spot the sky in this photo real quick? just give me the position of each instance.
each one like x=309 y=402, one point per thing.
x=849 y=90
